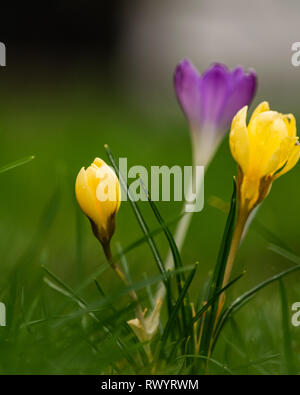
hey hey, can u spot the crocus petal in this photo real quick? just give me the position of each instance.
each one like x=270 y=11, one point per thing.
x=210 y=101
x=292 y=161
x=290 y=124
x=262 y=107
x=281 y=155
x=215 y=84
x=241 y=91
x=266 y=132
x=84 y=195
x=273 y=150
x=213 y=98
x=238 y=139
x=98 y=194
x=187 y=82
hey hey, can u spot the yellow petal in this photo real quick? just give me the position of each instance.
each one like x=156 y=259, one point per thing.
x=262 y=107
x=99 y=196
x=238 y=139
x=266 y=132
x=281 y=155
x=271 y=150
x=91 y=175
x=290 y=122
x=99 y=162
x=103 y=186
x=292 y=161
x=86 y=199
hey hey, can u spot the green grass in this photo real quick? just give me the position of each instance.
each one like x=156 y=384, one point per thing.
x=58 y=319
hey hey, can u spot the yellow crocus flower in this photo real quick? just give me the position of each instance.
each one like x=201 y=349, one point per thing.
x=99 y=196
x=264 y=150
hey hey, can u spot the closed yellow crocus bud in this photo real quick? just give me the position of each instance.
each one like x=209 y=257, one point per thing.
x=264 y=150
x=98 y=194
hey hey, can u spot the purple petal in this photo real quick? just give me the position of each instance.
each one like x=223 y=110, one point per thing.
x=241 y=91
x=215 y=86
x=187 y=82
x=215 y=97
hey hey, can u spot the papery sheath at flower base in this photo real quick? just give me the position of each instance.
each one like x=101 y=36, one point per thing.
x=210 y=101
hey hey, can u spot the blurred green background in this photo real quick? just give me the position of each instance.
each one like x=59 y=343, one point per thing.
x=62 y=104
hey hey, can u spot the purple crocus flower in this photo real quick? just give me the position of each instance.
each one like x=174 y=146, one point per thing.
x=210 y=101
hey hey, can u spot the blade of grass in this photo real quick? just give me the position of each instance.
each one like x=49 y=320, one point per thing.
x=126 y=327
x=177 y=306
x=215 y=362
x=243 y=368
x=246 y=297
x=287 y=340
x=145 y=229
x=269 y=235
x=144 y=239
x=121 y=293
x=166 y=230
x=207 y=306
x=118 y=255
x=60 y=286
x=238 y=336
x=180 y=278
x=215 y=297
x=203 y=292
x=66 y=290
x=139 y=216
x=218 y=275
x=285 y=253
x=17 y=163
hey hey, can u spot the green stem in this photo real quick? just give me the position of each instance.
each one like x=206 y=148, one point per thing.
x=132 y=293
x=236 y=239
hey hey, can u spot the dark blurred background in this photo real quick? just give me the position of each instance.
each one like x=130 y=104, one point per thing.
x=62 y=34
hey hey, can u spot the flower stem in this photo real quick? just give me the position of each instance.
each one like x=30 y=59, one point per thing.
x=204 y=145
x=236 y=239
x=123 y=278
x=181 y=230
x=132 y=293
